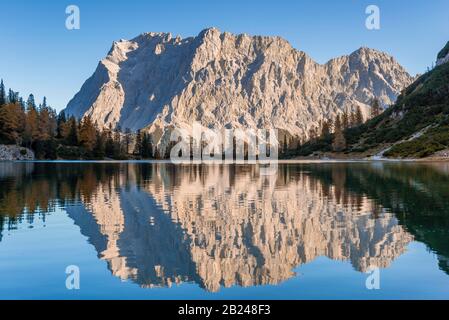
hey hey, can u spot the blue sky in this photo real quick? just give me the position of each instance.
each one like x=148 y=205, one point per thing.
x=39 y=55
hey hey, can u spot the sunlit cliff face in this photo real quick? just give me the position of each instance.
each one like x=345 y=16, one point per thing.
x=221 y=226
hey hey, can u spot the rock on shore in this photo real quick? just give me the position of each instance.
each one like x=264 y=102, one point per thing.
x=13 y=153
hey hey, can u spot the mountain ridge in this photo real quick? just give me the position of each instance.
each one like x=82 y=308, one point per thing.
x=156 y=81
x=416 y=126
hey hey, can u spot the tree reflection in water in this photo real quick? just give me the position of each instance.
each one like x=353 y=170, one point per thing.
x=225 y=225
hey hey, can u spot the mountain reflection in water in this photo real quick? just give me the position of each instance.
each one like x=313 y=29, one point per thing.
x=225 y=225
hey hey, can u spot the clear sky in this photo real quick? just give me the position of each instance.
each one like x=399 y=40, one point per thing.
x=39 y=55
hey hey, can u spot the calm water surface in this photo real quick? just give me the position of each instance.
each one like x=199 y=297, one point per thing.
x=160 y=231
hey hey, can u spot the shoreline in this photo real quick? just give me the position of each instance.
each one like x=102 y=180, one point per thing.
x=224 y=162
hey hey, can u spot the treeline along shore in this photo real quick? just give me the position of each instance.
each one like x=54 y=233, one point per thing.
x=52 y=136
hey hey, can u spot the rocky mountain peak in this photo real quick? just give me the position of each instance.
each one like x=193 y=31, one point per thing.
x=156 y=81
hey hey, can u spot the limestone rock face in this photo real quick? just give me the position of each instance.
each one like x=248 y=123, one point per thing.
x=156 y=81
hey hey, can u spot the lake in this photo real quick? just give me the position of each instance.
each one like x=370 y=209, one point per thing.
x=376 y=230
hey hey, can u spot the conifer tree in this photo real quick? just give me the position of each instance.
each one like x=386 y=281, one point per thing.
x=109 y=145
x=22 y=103
x=44 y=103
x=147 y=146
x=157 y=153
x=312 y=134
x=11 y=123
x=345 y=120
x=352 y=119
x=325 y=129
x=13 y=97
x=359 y=116
x=376 y=109
x=44 y=125
x=144 y=147
x=31 y=104
x=150 y=147
x=72 y=134
x=87 y=134
x=53 y=128
x=2 y=93
x=298 y=145
x=339 y=143
x=61 y=123
x=31 y=132
x=138 y=144
x=285 y=147
x=127 y=139
x=117 y=144
x=99 y=150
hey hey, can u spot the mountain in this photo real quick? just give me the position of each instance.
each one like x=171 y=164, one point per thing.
x=417 y=125
x=156 y=81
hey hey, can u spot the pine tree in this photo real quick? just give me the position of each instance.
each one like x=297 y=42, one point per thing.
x=144 y=146
x=11 y=123
x=150 y=147
x=31 y=104
x=330 y=123
x=2 y=94
x=60 y=125
x=127 y=139
x=352 y=119
x=138 y=144
x=109 y=145
x=376 y=109
x=22 y=103
x=72 y=134
x=143 y=151
x=117 y=154
x=285 y=148
x=325 y=129
x=87 y=134
x=359 y=116
x=312 y=134
x=44 y=103
x=339 y=143
x=345 y=120
x=44 y=125
x=99 y=150
x=53 y=128
x=31 y=132
x=147 y=146
x=298 y=145
x=157 y=153
x=13 y=97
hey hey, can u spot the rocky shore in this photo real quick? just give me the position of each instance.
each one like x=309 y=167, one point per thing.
x=14 y=153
